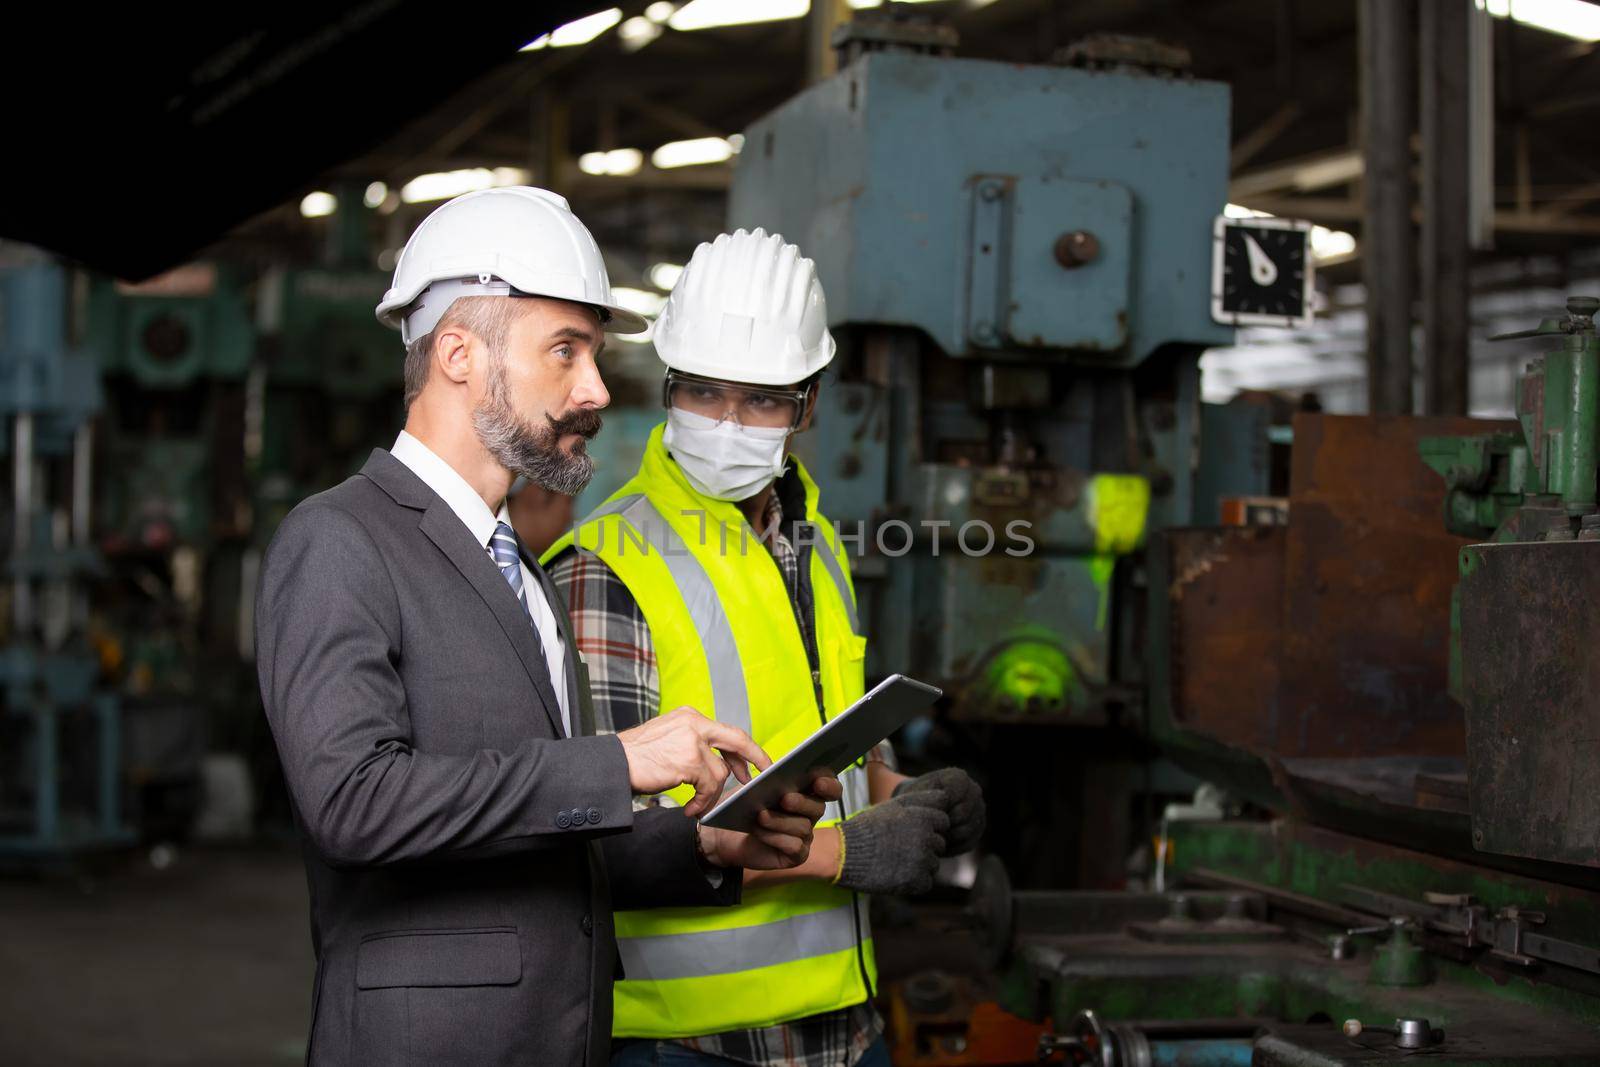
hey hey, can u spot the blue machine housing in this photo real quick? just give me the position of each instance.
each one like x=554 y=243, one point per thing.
x=931 y=191
x=1017 y=266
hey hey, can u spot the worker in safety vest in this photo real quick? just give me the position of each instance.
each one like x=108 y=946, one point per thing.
x=712 y=579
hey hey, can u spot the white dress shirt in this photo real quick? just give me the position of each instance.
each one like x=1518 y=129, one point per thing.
x=469 y=507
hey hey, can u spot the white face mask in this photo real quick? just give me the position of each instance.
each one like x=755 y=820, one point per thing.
x=723 y=460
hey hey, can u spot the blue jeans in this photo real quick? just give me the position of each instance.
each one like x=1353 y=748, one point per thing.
x=668 y=1054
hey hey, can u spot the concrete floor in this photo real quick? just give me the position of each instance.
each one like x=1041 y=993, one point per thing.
x=206 y=962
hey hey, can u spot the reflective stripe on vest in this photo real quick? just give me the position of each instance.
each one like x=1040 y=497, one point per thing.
x=700 y=597
x=836 y=572
x=744 y=948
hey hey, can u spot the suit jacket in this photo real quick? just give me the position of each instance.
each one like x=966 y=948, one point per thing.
x=456 y=843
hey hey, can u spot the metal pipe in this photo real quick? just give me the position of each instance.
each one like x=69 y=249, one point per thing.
x=1480 y=127
x=1576 y=464
x=82 y=501
x=110 y=782
x=1236 y=1052
x=1445 y=58
x=1388 y=76
x=46 y=784
x=82 y=471
x=22 y=532
x=825 y=17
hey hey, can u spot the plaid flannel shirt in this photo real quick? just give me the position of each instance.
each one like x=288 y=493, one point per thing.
x=610 y=631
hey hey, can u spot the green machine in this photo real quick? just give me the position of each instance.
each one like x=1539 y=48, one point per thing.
x=1534 y=483
x=173 y=356
x=331 y=384
x=229 y=398
x=1394 y=873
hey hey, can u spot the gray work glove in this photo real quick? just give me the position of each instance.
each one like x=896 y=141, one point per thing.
x=893 y=847
x=959 y=797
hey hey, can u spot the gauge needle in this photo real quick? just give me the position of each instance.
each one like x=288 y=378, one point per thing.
x=1262 y=270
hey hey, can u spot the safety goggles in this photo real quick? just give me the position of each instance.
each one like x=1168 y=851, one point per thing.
x=748 y=405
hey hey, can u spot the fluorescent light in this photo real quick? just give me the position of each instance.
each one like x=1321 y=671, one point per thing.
x=643 y=338
x=1328 y=246
x=639 y=301
x=444 y=184
x=576 y=32
x=616 y=161
x=637 y=32
x=1571 y=18
x=692 y=153
x=375 y=194
x=1237 y=211
x=861 y=5
x=586 y=29
x=708 y=14
x=316 y=205
x=665 y=275
x=660 y=11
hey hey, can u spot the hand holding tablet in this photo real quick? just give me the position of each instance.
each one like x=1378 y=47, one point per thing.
x=835 y=746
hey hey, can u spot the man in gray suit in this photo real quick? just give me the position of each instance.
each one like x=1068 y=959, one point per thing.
x=466 y=834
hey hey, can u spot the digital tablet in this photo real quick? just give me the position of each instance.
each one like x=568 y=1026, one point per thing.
x=844 y=739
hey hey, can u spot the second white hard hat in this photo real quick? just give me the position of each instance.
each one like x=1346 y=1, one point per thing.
x=499 y=242
x=747 y=308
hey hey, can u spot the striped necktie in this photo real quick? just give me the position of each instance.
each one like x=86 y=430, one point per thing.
x=503 y=547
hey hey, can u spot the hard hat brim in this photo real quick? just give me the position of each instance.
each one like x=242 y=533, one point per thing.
x=624 y=321
x=618 y=318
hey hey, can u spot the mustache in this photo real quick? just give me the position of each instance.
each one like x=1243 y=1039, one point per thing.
x=584 y=421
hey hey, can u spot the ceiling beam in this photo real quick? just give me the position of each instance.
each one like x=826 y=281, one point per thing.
x=1322 y=170
x=1336 y=212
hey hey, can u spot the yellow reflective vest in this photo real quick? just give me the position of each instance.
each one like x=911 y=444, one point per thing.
x=726 y=643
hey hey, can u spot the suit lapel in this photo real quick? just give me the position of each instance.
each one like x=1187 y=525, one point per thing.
x=446 y=531
x=558 y=608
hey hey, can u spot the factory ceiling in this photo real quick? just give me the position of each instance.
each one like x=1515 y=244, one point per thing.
x=216 y=128
x=139 y=134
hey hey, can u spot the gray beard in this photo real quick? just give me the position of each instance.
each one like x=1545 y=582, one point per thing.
x=530 y=451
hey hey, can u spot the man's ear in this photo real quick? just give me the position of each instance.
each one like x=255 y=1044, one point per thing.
x=452 y=352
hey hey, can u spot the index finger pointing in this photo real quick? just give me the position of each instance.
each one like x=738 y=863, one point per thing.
x=729 y=739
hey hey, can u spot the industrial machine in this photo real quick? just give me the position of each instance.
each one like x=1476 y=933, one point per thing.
x=60 y=725
x=1019 y=263
x=1412 y=876
x=202 y=385
x=1016 y=262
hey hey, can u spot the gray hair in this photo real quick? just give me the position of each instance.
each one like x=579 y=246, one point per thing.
x=488 y=317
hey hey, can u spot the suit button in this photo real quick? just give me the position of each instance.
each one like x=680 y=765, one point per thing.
x=588 y=926
x=594 y=816
x=563 y=819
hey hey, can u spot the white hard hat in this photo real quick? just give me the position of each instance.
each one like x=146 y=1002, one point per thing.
x=747 y=308
x=499 y=242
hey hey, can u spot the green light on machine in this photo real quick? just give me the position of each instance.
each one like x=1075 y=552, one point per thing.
x=1030 y=675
